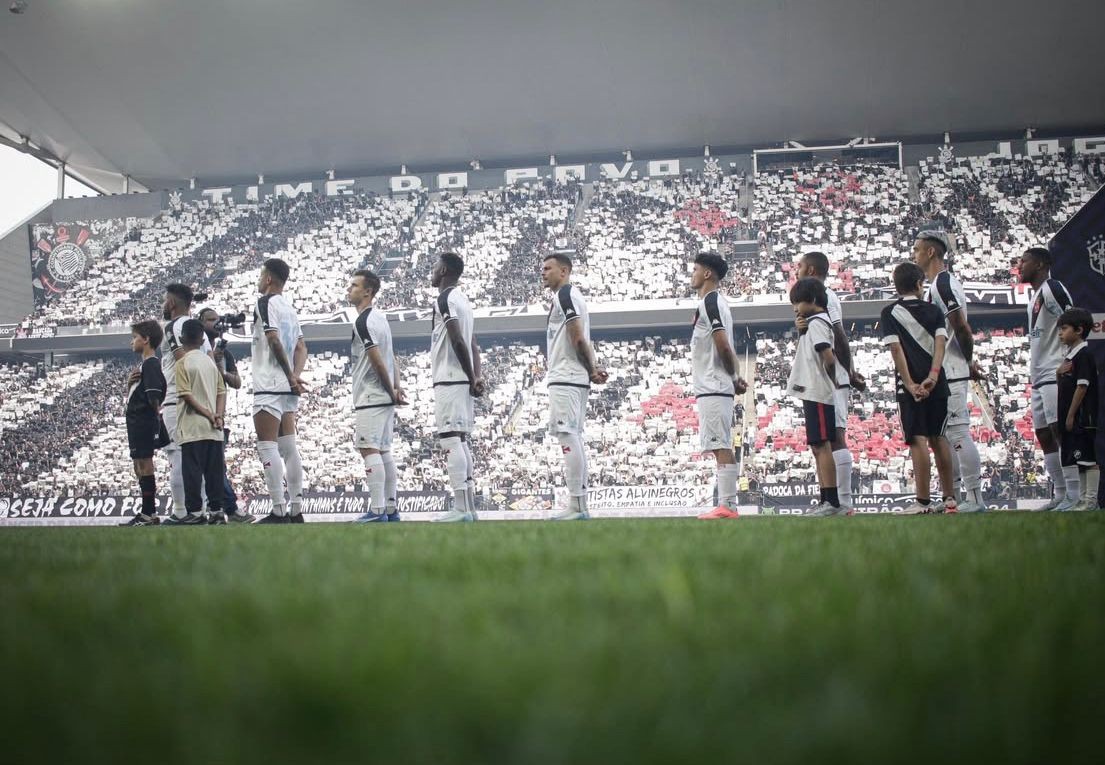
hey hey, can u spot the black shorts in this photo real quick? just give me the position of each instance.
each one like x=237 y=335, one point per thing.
x=927 y=418
x=1076 y=447
x=820 y=422
x=145 y=436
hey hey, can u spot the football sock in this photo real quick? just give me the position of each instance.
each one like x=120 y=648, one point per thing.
x=966 y=463
x=575 y=478
x=843 y=460
x=148 y=485
x=1054 y=467
x=1074 y=487
x=470 y=483
x=1090 y=479
x=727 y=476
x=176 y=481
x=391 y=482
x=456 y=465
x=273 y=466
x=293 y=471
x=374 y=477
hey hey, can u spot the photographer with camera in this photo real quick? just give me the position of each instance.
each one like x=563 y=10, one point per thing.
x=214 y=326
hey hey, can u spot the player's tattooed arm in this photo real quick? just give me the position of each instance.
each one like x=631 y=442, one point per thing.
x=963 y=334
x=586 y=353
x=281 y=356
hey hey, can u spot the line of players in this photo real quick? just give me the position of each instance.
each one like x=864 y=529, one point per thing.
x=280 y=354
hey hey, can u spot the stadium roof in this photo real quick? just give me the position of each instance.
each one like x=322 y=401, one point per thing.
x=165 y=90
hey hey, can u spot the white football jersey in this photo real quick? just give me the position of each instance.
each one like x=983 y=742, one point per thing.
x=564 y=365
x=946 y=293
x=1045 y=351
x=273 y=312
x=370 y=330
x=707 y=372
x=450 y=305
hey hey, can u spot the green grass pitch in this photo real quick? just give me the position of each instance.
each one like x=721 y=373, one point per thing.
x=932 y=639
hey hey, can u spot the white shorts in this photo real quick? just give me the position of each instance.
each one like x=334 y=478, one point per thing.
x=567 y=408
x=168 y=416
x=454 y=408
x=374 y=427
x=840 y=406
x=958 y=399
x=715 y=422
x=276 y=404
x=1045 y=405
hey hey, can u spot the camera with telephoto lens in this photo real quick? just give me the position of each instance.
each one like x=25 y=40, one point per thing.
x=227 y=321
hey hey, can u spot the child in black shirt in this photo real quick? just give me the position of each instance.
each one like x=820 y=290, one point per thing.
x=1077 y=379
x=144 y=428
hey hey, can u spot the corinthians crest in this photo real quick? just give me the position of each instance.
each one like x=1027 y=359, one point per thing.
x=60 y=258
x=1095 y=250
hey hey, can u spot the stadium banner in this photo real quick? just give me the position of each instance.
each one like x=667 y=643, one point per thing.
x=61 y=253
x=653 y=500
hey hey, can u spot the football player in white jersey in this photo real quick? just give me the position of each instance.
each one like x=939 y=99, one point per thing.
x=455 y=368
x=176 y=310
x=715 y=378
x=946 y=293
x=1049 y=299
x=279 y=355
x=376 y=393
x=572 y=367
x=816 y=265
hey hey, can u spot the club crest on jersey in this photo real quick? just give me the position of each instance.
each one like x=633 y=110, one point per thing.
x=1095 y=250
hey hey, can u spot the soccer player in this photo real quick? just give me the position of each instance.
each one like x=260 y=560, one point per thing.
x=1045 y=355
x=946 y=293
x=455 y=367
x=917 y=337
x=279 y=355
x=715 y=378
x=144 y=399
x=572 y=367
x=814 y=377
x=175 y=310
x=376 y=393
x=815 y=264
x=1078 y=403
x=200 y=410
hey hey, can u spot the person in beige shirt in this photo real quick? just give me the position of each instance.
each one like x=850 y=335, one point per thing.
x=202 y=399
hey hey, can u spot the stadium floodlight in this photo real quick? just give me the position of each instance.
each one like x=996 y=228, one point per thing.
x=18 y=6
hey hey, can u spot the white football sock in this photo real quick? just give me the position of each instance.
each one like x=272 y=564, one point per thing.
x=176 y=481
x=456 y=465
x=1054 y=467
x=293 y=471
x=1074 y=487
x=470 y=483
x=843 y=460
x=374 y=477
x=391 y=482
x=575 y=464
x=727 y=476
x=1090 y=479
x=967 y=462
x=269 y=453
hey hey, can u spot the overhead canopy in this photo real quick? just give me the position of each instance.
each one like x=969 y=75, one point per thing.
x=164 y=90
